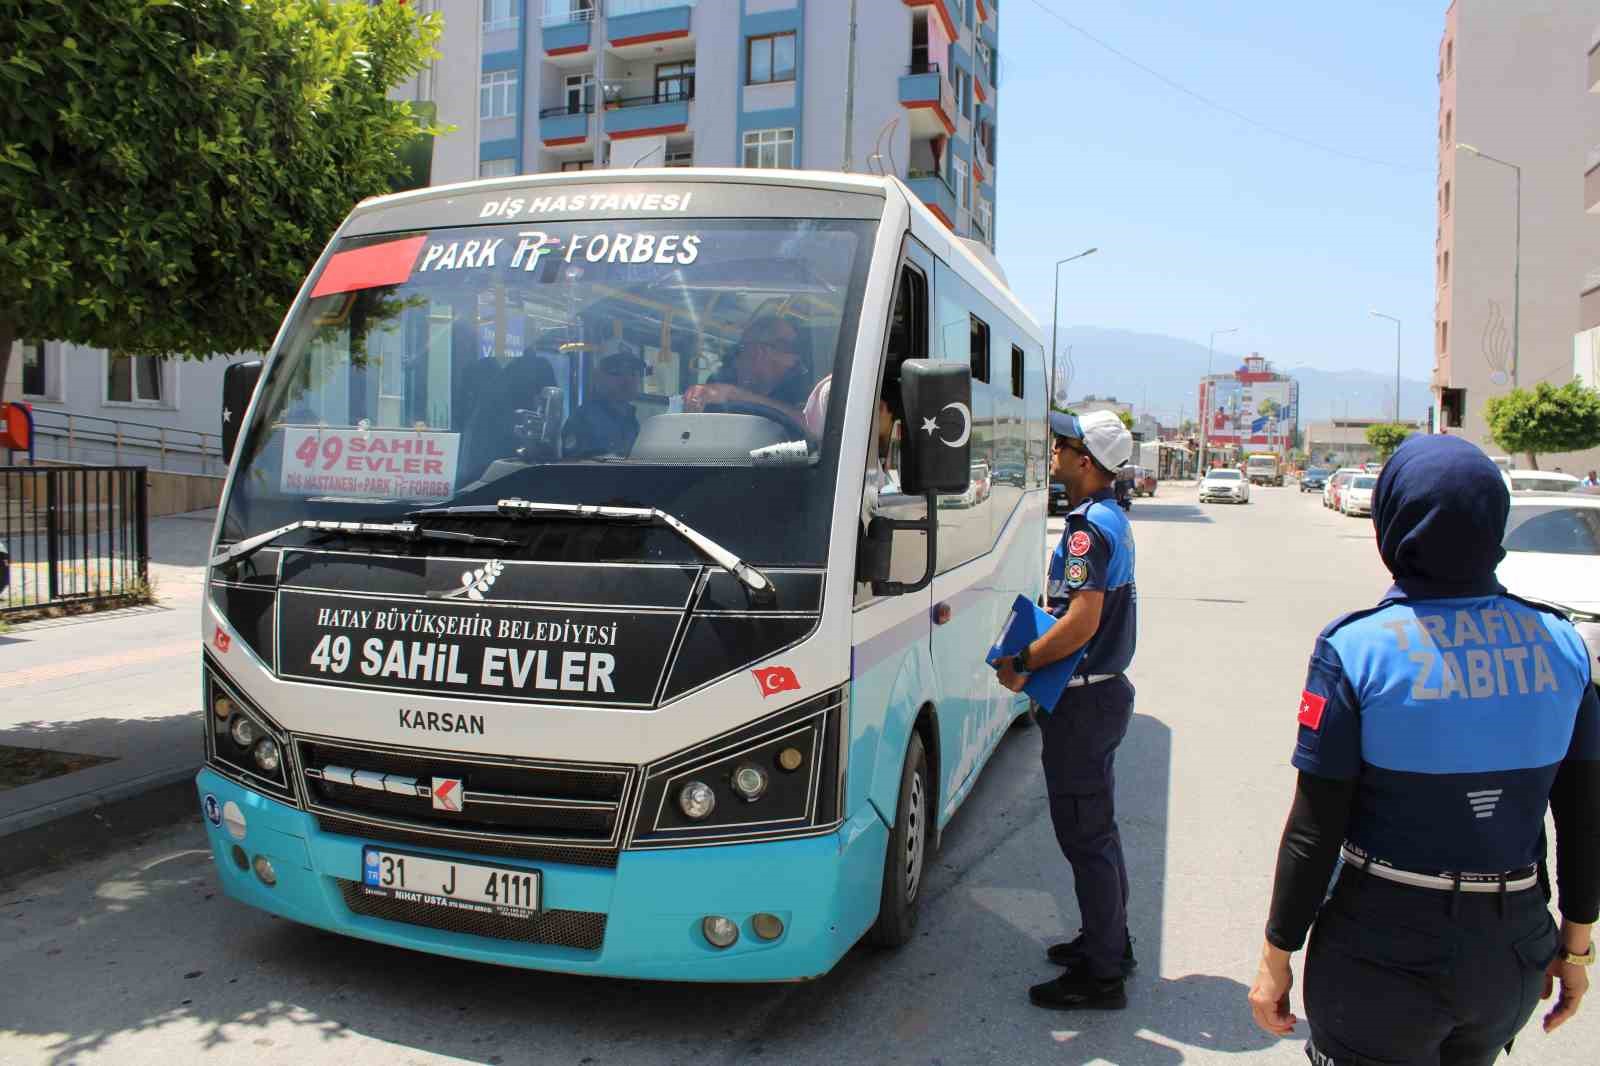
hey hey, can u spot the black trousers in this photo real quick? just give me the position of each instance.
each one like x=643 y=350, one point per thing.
x=1080 y=748
x=1402 y=976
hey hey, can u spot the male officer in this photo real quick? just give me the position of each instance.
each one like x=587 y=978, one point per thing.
x=1091 y=590
x=1434 y=731
x=607 y=424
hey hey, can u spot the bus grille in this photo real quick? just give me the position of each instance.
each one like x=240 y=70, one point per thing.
x=585 y=930
x=528 y=808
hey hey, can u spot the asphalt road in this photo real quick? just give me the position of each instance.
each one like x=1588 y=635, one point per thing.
x=136 y=958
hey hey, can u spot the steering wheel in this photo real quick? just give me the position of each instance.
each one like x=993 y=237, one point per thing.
x=761 y=410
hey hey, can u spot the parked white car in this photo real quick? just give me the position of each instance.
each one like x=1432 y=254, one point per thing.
x=1552 y=547
x=1228 y=486
x=1336 y=480
x=1539 y=481
x=1356 y=497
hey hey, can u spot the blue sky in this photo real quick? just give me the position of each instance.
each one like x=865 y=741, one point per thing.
x=1202 y=220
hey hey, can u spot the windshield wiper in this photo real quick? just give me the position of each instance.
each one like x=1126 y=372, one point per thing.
x=409 y=531
x=759 y=584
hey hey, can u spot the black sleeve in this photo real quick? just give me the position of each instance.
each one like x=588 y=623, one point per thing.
x=1306 y=856
x=1575 y=803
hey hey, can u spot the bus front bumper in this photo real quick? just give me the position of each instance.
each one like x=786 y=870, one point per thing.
x=650 y=907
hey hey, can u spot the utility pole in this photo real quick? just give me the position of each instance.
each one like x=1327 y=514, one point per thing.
x=850 y=96
x=1055 y=304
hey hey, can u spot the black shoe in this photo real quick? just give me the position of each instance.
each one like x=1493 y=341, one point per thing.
x=1071 y=954
x=1079 y=991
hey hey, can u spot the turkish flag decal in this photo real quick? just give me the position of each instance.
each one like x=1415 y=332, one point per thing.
x=221 y=640
x=776 y=679
x=1311 y=708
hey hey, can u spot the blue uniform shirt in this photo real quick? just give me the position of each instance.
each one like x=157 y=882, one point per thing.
x=1453 y=715
x=1096 y=553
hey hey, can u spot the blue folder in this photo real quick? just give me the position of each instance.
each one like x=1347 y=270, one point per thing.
x=1025 y=624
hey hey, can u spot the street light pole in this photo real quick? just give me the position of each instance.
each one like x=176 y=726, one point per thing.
x=1205 y=415
x=1516 y=262
x=1396 y=321
x=1055 y=300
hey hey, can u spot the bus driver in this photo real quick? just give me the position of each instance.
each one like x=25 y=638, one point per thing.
x=768 y=370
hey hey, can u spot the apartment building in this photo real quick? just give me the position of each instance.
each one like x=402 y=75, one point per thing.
x=1514 y=85
x=565 y=85
x=1586 y=346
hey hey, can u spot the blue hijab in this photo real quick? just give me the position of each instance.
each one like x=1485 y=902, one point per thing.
x=1440 y=509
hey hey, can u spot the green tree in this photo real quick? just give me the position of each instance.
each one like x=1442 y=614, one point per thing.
x=1546 y=419
x=170 y=170
x=1387 y=436
x=1127 y=419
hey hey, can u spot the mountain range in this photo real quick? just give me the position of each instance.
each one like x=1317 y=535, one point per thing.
x=1161 y=375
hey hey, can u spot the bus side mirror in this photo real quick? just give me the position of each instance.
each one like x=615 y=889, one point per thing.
x=238 y=385
x=937 y=455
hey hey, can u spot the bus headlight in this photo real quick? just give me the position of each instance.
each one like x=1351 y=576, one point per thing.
x=242 y=742
x=778 y=776
x=697 y=800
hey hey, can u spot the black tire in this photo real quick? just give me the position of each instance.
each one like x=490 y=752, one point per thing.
x=905 y=869
x=1027 y=719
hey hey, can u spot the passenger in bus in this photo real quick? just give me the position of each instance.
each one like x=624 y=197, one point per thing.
x=607 y=424
x=492 y=433
x=769 y=369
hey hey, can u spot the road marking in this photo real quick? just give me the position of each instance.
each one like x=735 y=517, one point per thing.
x=96 y=664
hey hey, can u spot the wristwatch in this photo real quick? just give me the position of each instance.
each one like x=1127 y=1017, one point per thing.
x=1019 y=661
x=1586 y=959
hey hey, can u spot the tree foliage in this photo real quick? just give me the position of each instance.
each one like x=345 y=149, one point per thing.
x=1127 y=419
x=1546 y=419
x=1387 y=436
x=169 y=169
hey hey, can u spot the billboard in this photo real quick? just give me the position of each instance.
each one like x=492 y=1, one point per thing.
x=1250 y=412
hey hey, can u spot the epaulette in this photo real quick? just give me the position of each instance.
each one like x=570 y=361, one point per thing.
x=1345 y=619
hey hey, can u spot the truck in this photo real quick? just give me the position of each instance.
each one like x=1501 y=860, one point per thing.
x=1264 y=469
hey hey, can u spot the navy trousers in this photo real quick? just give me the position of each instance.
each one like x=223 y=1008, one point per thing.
x=1402 y=976
x=1080 y=739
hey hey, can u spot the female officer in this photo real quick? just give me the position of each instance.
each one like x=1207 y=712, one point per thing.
x=1435 y=730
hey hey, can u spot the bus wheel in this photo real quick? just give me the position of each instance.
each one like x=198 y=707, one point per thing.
x=907 y=855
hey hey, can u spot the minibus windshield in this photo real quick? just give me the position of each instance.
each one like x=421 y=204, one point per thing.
x=673 y=364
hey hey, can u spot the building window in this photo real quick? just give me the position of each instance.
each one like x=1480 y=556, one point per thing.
x=1446 y=274
x=769 y=59
x=497 y=168
x=501 y=15
x=1449 y=57
x=986 y=218
x=979 y=331
x=1446 y=201
x=133 y=379
x=768 y=149
x=675 y=81
x=985 y=60
x=1016 y=371
x=580 y=93
x=963 y=197
x=35 y=372
x=683 y=157
x=497 y=94
x=577 y=164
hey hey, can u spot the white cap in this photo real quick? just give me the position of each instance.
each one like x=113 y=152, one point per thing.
x=1102 y=433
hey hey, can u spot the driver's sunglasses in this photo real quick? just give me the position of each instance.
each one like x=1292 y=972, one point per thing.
x=784 y=347
x=1067 y=444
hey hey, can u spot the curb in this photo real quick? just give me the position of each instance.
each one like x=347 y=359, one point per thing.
x=94 y=823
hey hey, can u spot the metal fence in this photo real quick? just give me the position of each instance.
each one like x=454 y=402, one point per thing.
x=75 y=534
x=75 y=438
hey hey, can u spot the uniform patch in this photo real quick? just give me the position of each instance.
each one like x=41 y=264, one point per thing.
x=1311 y=708
x=1077 y=573
x=1078 y=543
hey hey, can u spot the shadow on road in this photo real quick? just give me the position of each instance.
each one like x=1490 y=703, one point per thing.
x=1181 y=512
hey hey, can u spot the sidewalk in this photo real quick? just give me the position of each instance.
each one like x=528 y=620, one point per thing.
x=121 y=685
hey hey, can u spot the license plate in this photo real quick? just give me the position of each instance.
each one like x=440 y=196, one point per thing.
x=499 y=890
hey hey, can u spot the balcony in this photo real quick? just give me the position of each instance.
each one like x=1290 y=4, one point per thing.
x=935 y=192
x=565 y=127
x=566 y=33
x=1594 y=67
x=1591 y=185
x=1589 y=303
x=637 y=22
x=648 y=116
x=929 y=96
x=942 y=9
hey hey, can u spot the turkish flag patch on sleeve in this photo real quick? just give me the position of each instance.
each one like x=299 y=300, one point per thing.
x=1311 y=708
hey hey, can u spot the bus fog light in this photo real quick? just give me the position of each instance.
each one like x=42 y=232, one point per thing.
x=750 y=782
x=240 y=859
x=697 y=800
x=267 y=755
x=264 y=870
x=768 y=926
x=718 y=931
x=243 y=731
x=789 y=760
